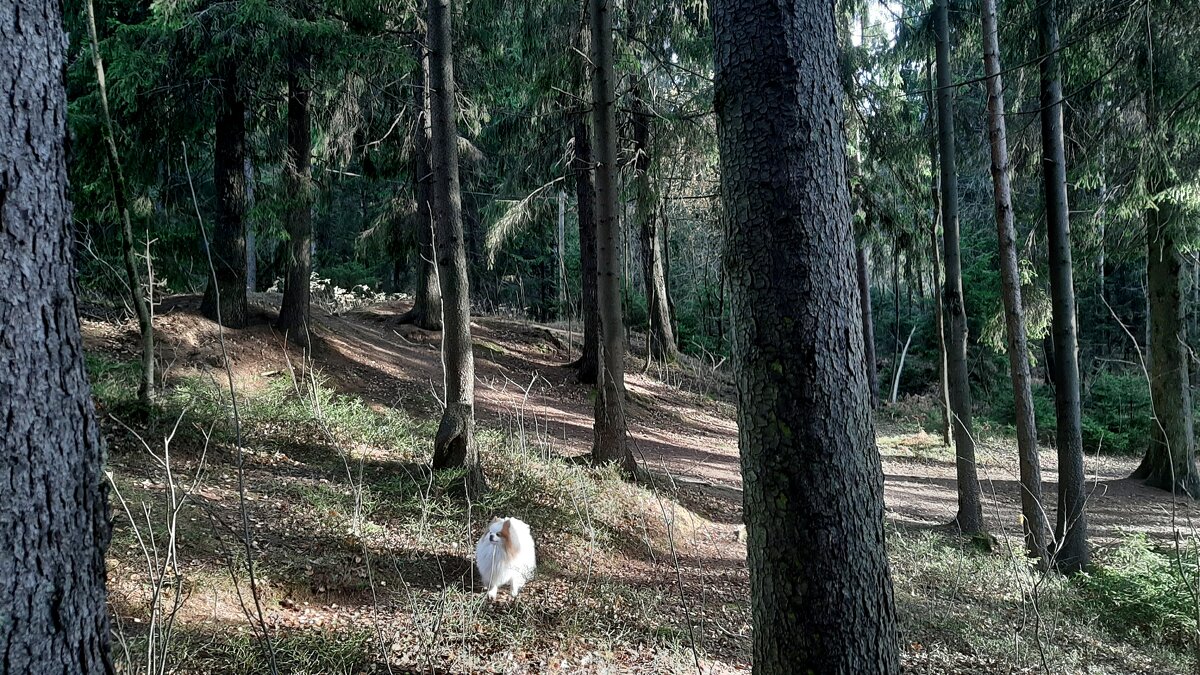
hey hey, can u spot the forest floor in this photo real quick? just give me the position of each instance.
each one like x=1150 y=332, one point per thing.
x=363 y=558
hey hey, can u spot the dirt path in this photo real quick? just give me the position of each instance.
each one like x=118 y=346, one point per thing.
x=681 y=423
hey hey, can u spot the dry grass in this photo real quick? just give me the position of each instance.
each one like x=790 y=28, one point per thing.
x=364 y=557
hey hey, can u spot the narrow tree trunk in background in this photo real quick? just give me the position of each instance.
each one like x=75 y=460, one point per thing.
x=427 y=297
x=251 y=236
x=821 y=593
x=228 y=243
x=1170 y=461
x=662 y=334
x=1072 y=553
x=868 y=327
x=585 y=200
x=294 y=309
x=140 y=303
x=970 y=508
x=560 y=240
x=454 y=445
x=54 y=523
x=900 y=365
x=895 y=308
x=1034 y=516
x=936 y=263
x=611 y=442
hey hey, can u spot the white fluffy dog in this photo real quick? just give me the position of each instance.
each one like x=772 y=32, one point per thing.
x=505 y=555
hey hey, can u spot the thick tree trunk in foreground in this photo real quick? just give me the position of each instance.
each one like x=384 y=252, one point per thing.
x=1170 y=461
x=611 y=443
x=427 y=298
x=294 y=310
x=140 y=303
x=1072 y=553
x=454 y=445
x=53 y=518
x=585 y=200
x=228 y=243
x=868 y=323
x=1035 y=522
x=970 y=509
x=820 y=587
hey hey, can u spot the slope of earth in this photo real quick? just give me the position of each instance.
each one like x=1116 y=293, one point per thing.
x=363 y=559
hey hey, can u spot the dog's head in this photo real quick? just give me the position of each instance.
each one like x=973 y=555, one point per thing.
x=500 y=532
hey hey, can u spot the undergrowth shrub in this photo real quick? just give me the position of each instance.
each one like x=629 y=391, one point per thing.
x=1143 y=591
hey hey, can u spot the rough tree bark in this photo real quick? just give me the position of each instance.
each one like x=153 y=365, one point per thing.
x=1034 y=516
x=54 y=515
x=868 y=323
x=1170 y=460
x=426 y=311
x=1071 y=554
x=970 y=509
x=611 y=442
x=141 y=305
x=228 y=243
x=294 y=310
x=585 y=200
x=454 y=444
x=820 y=588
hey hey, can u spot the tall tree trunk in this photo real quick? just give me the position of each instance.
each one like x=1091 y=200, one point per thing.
x=427 y=299
x=294 y=310
x=54 y=523
x=1170 y=461
x=868 y=323
x=140 y=303
x=454 y=445
x=1034 y=516
x=585 y=200
x=662 y=334
x=970 y=508
x=895 y=308
x=821 y=592
x=251 y=235
x=611 y=442
x=935 y=262
x=1072 y=553
x=560 y=255
x=225 y=298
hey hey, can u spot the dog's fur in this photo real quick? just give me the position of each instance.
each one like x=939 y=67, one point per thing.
x=505 y=555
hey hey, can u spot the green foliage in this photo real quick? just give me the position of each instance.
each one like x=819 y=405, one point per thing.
x=1146 y=593
x=350 y=274
x=1115 y=412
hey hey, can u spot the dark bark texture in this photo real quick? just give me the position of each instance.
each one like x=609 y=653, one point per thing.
x=585 y=199
x=970 y=508
x=820 y=587
x=225 y=296
x=1035 y=523
x=294 y=310
x=454 y=444
x=427 y=298
x=611 y=442
x=1170 y=461
x=54 y=526
x=864 y=302
x=1071 y=554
